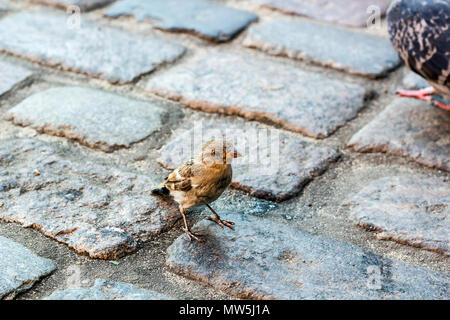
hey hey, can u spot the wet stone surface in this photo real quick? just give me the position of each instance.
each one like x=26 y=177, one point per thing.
x=206 y=19
x=263 y=259
x=273 y=165
x=409 y=128
x=11 y=75
x=107 y=290
x=349 y=13
x=84 y=5
x=97 y=210
x=341 y=49
x=92 y=117
x=414 y=210
x=20 y=268
x=100 y=52
x=235 y=84
x=238 y=202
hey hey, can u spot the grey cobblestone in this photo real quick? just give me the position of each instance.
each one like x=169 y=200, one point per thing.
x=11 y=75
x=268 y=260
x=84 y=5
x=87 y=140
x=235 y=84
x=341 y=49
x=352 y=13
x=284 y=167
x=20 y=268
x=95 y=118
x=407 y=209
x=107 y=290
x=3 y=7
x=408 y=128
x=413 y=81
x=97 y=210
x=208 y=20
x=104 y=53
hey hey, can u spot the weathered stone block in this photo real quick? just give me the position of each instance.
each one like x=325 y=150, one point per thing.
x=99 y=52
x=273 y=166
x=409 y=128
x=84 y=5
x=337 y=48
x=96 y=209
x=107 y=290
x=20 y=268
x=94 y=118
x=263 y=259
x=3 y=7
x=358 y=13
x=11 y=75
x=413 y=210
x=206 y=19
x=413 y=81
x=261 y=90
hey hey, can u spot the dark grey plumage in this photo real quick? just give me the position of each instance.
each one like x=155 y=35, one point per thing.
x=420 y=33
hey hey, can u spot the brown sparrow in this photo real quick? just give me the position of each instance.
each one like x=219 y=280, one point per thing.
x=201 y=181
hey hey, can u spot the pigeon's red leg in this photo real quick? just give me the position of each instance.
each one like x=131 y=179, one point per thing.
x=422 y=94
x=441 y=105
x=218 y=220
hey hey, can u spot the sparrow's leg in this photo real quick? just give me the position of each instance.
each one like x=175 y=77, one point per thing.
x=191 y=234
x=218 y=220
x=422 y=94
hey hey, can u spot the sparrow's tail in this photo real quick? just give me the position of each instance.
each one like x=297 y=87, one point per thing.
x=161 y=190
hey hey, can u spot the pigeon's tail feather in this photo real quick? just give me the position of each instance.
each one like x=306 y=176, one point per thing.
x=161 y=190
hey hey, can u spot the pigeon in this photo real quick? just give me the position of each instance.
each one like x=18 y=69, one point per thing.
x=200 y=181
x=420 y=33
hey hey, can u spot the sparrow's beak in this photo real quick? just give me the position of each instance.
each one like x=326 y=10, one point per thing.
x=233 y=154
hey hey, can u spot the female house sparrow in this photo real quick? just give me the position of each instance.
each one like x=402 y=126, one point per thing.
x=201 y=181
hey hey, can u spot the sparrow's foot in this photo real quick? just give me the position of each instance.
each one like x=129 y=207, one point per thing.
x=422 y=94
x=218 y=220
x=192 y=235
x=221 y=222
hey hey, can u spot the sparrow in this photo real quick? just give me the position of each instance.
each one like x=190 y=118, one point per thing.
x=420 y=33
x=200 y=181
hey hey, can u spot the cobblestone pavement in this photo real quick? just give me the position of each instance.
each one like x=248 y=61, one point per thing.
x=96 y=107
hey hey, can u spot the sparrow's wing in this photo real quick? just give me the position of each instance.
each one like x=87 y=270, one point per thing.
x=181 y=178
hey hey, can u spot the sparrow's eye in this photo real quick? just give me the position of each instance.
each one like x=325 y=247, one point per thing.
x=213 y=152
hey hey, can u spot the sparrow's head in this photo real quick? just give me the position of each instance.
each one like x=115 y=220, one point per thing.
x=218 y=152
